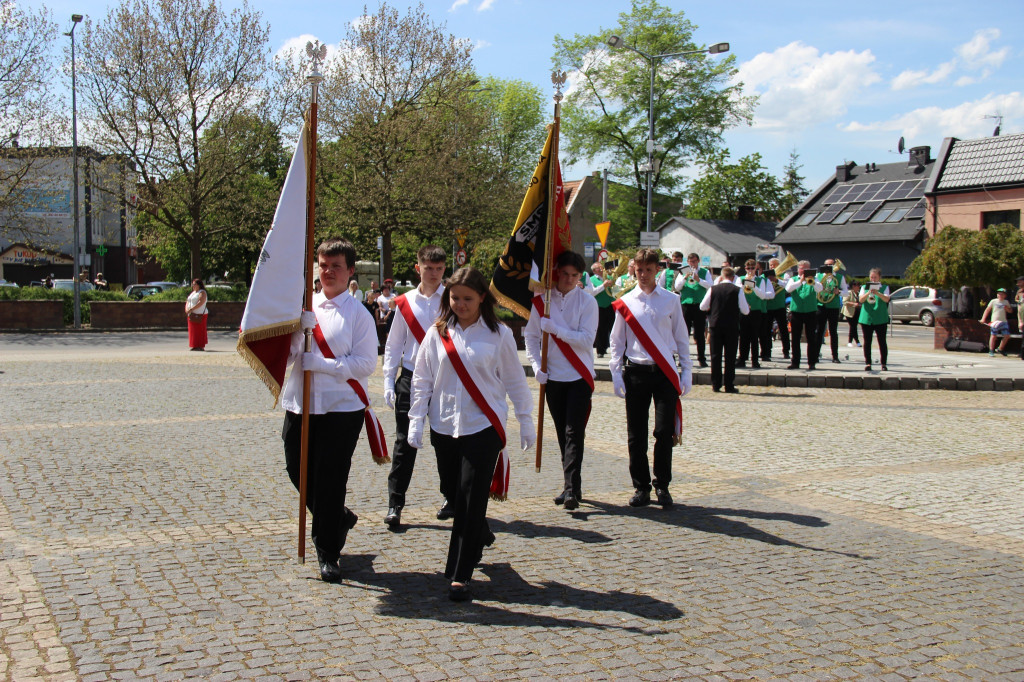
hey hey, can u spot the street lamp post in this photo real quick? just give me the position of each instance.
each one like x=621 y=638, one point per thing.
x=75 y=20
x=652 y=61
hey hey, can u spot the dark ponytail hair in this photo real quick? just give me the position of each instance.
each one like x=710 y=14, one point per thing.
x=475 y=280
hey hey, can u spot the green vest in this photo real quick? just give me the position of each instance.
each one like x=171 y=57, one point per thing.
x=604 y=299
x=836 y=285
x=670 y=277
x=779 y=302
x=693 y=293
x=755 y=303
x=805 y=299
x=874 y=313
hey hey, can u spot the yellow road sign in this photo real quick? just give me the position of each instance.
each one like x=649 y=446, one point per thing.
x=602 y=231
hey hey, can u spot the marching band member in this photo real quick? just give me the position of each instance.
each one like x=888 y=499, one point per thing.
x=851 y=311
x=757 y=292
x=874 y=316
x=625 y=282
x=724 y=306
x=465 y=367
x=803 y=289
x=1018 y=299
x=775 y=311
x=418 y=310
x=830 y=302
x=344 y=355
x=572 y=322
x=668 y=277
x=695 y=284
x=648 y=329
x=600 y=289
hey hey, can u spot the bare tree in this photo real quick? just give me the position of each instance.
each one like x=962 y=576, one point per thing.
x=26 y=117
x=161 y=78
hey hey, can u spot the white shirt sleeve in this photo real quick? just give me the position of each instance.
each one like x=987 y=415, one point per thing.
x=705 y=304
x=744 y=306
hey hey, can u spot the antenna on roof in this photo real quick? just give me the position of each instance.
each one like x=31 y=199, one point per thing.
x=900 y=146
x=999 y=123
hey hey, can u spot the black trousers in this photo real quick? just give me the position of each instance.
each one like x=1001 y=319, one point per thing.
x=883 y=349
x=403 y=458
x=569 y=405
x=696 y=322
x=723 y=347
x=644 y=384
x=852 y=336
x=470 y=460
x=800 y=323
x=332 y=439
x=828 y=317
x=605 y=320
x=750 y=336
x=764 y=334
x=778 y=316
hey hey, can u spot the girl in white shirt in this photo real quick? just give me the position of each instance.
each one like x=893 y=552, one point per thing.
x=466 y=439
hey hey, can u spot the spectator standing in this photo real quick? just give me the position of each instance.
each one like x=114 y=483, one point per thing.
x=195 y=310
x=101 y=282
x=997 y=310
x=353 y=288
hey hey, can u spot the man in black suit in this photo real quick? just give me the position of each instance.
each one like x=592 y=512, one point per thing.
x=724 y=304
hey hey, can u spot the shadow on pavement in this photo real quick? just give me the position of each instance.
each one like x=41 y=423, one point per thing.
x=713 y=520
x=405 y=594
x=525 y=529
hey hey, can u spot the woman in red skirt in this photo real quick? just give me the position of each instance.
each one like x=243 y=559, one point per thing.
x=195 y=309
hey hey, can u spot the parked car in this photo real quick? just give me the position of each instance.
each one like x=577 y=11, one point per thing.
x=920 y=303
x=164 y=286
x=137 y=292
x=69 y=285
x=5 y=283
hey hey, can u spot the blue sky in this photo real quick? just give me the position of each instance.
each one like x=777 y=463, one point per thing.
x=837 y=81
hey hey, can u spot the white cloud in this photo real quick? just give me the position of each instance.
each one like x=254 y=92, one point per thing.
x=912 y=79
x=480 y=44
x=965 y=120
x=485 y=5
x=977 y=53
x=296 y=48
x=457 y=4
x=965 y=80
x=799 y=86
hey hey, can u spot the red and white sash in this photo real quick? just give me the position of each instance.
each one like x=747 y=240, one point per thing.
x=374 y=431
x=570 y=354
x=666 y=364
x=402 y=303
x=500 y=479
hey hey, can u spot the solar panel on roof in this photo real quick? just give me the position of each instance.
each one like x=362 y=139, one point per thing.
x=836 y=194
x=869 y=192
x=904 y=189
x=831 y=213
x=854 y=193
x=866 y=211
x=887 y=191
x=917 y=211
x=918 y=191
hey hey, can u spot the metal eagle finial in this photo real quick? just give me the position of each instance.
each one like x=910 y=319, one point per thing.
x=558 y=80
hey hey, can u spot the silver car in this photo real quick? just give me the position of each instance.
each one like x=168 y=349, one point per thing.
x=920 y=303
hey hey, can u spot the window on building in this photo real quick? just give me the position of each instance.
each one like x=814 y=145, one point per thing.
x=990 y=218
x=843 y=217
x=897 y=215
x=882 y=215
x=806 y=219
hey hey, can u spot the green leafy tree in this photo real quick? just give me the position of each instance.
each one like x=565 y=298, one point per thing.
x=957 y=257
x=515 y=132
x=606 y=111
x=158 y=74
x=723 y=187
x=793 y=183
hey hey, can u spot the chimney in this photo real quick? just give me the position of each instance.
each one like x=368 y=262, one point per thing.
x=843 y=172
x=746 y=213
x=919 y=156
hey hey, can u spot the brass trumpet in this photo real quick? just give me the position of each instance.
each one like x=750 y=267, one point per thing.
x=748 y=286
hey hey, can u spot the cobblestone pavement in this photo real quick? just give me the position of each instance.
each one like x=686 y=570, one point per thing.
x=149 y=531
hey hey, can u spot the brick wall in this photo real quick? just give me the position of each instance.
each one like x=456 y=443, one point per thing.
x=31 y=314
x=161 y=315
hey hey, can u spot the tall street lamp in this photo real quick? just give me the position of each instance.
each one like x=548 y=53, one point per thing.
x=652 y=61
x=75 y=20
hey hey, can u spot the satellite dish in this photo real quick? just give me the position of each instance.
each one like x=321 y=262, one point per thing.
x=900 y=146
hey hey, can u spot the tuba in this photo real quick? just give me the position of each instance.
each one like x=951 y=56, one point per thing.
x=788 y=262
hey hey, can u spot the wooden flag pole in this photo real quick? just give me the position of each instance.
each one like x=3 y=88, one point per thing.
x=558 y=79
x=317 y=55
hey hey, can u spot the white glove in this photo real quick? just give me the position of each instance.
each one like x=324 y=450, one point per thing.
x=527 y=434
x=542 y=377
x=307 y=319
x=312 y=362
x=415 y=435
x=551 y=326
x=618 y=385
x=389 y=392
x=685 y=381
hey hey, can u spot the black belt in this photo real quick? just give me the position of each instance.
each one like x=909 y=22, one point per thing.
x=405 y=372
x=636 y=367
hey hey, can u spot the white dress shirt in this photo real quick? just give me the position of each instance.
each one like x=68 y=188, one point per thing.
x=741 y=301
x=438 y=391
x=763 y=289
x=402 y=345
x=578 y=312
x=660 y=312
x=352 y=335
x=793 y=283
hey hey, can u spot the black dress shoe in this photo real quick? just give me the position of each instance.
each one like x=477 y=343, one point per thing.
x=755 y=365
x=810 y=367
x=793 y=366
x=716 y=389
x=731 y=389
x=835 y=361
x=459 y=592
x=560 y=498
x=330 y=569
x=641 y=498
x=447 y=511
x=785 y=356
x=571 y=502
x=703 y=363
x=741 y=364
x=664 y=499
x=394 y=516
x=884 y=368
